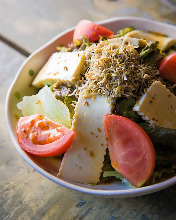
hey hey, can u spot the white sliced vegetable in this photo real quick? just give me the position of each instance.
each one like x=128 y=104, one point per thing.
x=83 y=162
x=158 y=106
x=46 y=104
x=62 y=66
x=164 y=42
x=134 y=41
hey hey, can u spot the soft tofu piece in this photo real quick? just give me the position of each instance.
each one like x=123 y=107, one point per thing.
x=164 y=42
x=61 y=66
x=83 y=161
x=134 y=41
x=158 y=106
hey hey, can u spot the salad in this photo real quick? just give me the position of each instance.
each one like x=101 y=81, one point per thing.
x=106 y=105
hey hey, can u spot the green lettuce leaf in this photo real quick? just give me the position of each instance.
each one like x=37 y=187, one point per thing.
x=118 y=176
x=124 y=31
x=68 y=100
x=46 y=104
x=124 y=107
x=160 y=135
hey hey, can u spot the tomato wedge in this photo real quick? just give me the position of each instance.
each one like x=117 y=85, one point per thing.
x=167 y=67
x=91 y=30
x=131 y=150
x=40 y=136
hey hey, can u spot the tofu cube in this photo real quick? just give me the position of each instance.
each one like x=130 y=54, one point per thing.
x=158 y=106
x=62 y=66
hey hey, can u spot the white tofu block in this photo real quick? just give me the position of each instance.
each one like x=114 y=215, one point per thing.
x=61 y=66
x=164 y=42
x=83 y=161
x=158 y=106
x=134 y=41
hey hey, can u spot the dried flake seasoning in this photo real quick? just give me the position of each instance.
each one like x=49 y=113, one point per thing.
x=99 y=130
x=114 y=70
x=39 y=102
x=86 y=103
x=65 y=68
x=55 y=73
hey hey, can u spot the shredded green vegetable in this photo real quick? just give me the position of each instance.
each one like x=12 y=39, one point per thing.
x=124 y=31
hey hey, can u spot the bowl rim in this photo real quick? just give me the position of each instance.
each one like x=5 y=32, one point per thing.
x=122 y=193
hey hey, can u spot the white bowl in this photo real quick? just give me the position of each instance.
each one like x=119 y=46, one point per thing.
x=21 y=86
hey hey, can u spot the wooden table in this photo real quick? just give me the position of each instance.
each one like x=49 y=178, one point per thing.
x=24 y=193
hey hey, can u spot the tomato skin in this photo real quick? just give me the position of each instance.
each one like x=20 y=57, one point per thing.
x=167 y=67
x=131 y=151
x=42 y=137
x=91 y=30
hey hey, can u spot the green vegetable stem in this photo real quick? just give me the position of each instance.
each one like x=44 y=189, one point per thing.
x=124 y=31
x=151 y=54
x=124 y=107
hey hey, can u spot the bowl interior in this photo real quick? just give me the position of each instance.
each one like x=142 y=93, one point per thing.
x=21 y=86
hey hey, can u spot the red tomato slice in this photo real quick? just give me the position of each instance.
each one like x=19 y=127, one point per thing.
x=42 y=137
x=91 y=30
x=167 y=67
x=131 y=150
